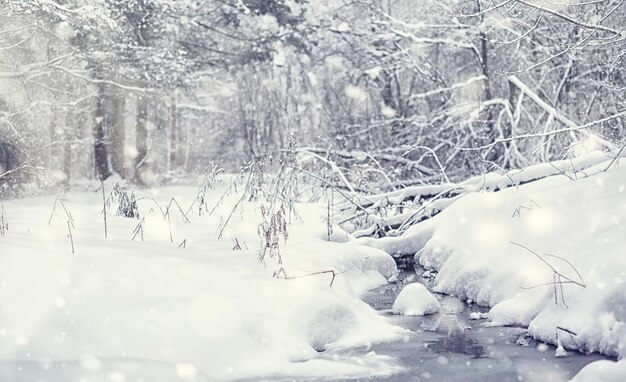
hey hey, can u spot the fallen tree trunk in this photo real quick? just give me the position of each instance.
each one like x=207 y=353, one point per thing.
x=392 y=213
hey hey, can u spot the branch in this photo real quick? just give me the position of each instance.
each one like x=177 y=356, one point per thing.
x=547 y=133
x=20 y=42
x=449 y=88
x=556 y=272
x=572 y=20
x=108 y=82
x=558 y=114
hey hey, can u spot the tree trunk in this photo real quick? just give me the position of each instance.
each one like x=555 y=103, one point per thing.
x=187 y=148
x=141 y=139
x=67 y=150
x=118 y=135
x=101 y=155
x=52 y=137
x=173 y=157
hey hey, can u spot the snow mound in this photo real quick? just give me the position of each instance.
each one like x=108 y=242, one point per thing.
x=602 y=371
x=547 y=255
x=507 y=249
x=415 y=300
x=176 y=303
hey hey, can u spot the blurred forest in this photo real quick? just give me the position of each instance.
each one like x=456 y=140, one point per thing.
x=394 y=92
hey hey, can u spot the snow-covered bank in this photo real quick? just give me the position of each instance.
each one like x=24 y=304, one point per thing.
x=548 y=255
x=124 y=310
x=602 y=371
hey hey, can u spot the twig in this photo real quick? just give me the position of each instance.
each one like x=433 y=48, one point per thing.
x=67 y=213
x=104 y=209
x=21 y=167
x=619 y=153
x=568 y=263
x=573 y=333
x=581 y=283
x=557 y=277
x=549 y=283
x=352 y=201
x=243 y=195
x=224 y=194
x=69 y=229
x=154 y=201
x=314 y=274
x=139 y=229
x=4 y=223
x=167 y=210
x=169 y=226
x=167 y=216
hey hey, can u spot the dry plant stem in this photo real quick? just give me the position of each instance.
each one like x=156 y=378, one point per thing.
x=518 y=211
x=69 y=229
x=108 y=199
x=4 y=223
x=208 y=183
x=557 y=277
x=155 y=202
x=54 y=207
x=243 y=196
x=104 y=209
x=567 y=330
x=314 y=274
x=349 y=199
x=579 y=283
x=68 y=214
x=167 y=216
x=139 y=229
x=169 y=226
x=183 y=244
x=329 y=211
x=619 y=153
x=553 y=283
x=570 y=265
x=333 y=167
x=275 y=194
x=230 y=187
x=167 y=210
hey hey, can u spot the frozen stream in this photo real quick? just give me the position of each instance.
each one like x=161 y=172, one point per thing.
x=452 y=347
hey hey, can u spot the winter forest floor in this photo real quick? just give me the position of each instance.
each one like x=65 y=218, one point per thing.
x=162 y=298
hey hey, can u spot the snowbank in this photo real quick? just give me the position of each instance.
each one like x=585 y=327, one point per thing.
x=602 y=371
x=415 y=300
x=180 y=305
x=547 y=255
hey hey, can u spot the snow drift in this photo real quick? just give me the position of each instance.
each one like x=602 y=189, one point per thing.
x=547 y=255
x=158 y=310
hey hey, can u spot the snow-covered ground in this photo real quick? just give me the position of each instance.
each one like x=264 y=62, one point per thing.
x=180 y=304
x=548 y=255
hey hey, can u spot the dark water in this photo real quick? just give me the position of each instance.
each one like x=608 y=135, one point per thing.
x=453 y=347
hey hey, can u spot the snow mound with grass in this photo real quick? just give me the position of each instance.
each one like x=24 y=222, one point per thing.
x=176 y=303
x=548 y=255
x=415 y=300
